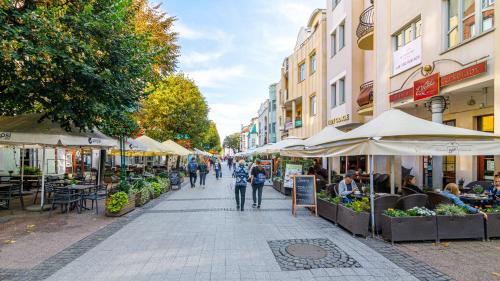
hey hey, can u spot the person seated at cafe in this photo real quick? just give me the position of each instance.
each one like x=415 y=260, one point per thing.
x=357 y=178
x=452 y=192
x=493 y=191
x=411 y=183
x=347 y=186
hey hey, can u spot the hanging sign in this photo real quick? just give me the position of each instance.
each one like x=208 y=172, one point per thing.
x=5 y=135
x=426 y=87
x=304 y=193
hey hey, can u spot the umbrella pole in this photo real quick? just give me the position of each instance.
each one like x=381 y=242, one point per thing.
x=42 y=195
x=372 y=196
x=22 y=168
x=329 y=170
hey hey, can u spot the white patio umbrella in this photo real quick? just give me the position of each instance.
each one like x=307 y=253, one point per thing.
x=324 y=136
x=397 y=133
x=177 y=148
x=287 y=142
x=30 y=130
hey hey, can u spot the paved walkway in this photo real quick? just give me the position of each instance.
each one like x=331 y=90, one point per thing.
x=197 y=234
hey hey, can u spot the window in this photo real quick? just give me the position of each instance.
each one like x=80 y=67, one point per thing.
x=273 y=105
x=335 y=3
x=341 y=35
x=333 y=46
x=313 y=62
x=302 y=72
x=408 y=34
x=313 y=105
x=333 y=89
x=342 y=91
x=468 y=18
x=485 y=123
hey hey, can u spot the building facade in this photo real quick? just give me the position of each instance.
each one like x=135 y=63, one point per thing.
x=435 y=60
x=253 y=134
x=273 y=116
x=303 y=91
x=264 y=123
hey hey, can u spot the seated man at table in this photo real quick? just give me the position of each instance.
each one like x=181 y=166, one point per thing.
x=452 y=192
x=347 y=186
x=494 y=191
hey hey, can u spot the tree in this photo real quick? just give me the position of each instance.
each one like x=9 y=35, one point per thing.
x=79 y=61
x=175 y=109
x=233 y=142
x=211 y=138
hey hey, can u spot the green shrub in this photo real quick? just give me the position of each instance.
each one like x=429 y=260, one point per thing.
x=492 y=210
x=163 y=175
x=335 y=200
x=152 y=179
x=123 y=186
x=450 y=210
x=32 y=171
x=117 y=201
x=413 y=212
x=395 y=213
x=323 y=194
x=359 y=206
x=158 y=188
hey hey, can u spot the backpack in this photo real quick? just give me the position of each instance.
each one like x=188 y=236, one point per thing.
x=241 y=176
x=260 y=178
x=192 y=167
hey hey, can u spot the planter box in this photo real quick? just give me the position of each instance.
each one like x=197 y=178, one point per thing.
x=409 y=228
x=455 y=227
x=356 y=223
x=139 y=198
x=493 y=225
x=277 y=185
x=130 y=206
x=327 y=210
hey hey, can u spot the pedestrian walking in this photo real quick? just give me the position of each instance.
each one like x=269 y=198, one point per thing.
x=217 y=168
x=257 y=178
x=240 y=185
x=192 y=168
x=203 y=170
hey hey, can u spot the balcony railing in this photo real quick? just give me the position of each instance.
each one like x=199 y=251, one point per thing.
x=366 y=23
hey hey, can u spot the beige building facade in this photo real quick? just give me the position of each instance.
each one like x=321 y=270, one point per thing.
x=435 y=54
x=302 y=88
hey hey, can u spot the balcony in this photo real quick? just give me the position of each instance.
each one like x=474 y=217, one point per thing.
x=365 y=98
x=365 y=29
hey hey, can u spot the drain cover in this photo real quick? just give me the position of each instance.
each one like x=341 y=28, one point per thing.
x=306 y=251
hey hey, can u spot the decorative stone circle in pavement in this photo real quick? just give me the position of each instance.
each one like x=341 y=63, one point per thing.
x=301 y=254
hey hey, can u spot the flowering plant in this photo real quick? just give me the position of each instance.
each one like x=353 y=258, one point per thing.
x=420 y=212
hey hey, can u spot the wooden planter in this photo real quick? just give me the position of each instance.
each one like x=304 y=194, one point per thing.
x=409 y=228
x=327 y=210
x=130 y=206
x=456 y=227
x=356 y=223
x=493 y=225
x=277 y=185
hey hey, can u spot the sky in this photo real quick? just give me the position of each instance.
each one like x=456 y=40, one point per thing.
x=233 y=50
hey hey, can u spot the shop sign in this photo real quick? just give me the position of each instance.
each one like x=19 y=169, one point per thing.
x=5 y=135
x=339 y=119
x=407 y=56
x=463 y=74
x=401 y=95
x=426 y=87
x=94 y=141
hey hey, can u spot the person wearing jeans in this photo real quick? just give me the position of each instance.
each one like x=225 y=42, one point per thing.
x=258 y=178
x=240 y=185
x=192 y=167
x=203 y=169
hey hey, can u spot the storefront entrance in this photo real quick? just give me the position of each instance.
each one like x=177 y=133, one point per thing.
x=485 y=164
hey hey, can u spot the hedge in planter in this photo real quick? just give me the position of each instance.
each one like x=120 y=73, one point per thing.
x=493 y=222
x=416 y=224
x=453 y=222
x=119 y=204
x=355 y=216
x=327 y=206
x=143 y=192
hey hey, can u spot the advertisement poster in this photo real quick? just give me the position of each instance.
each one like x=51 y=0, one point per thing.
x=291 y=170
x=407 y=56
x=268 y=166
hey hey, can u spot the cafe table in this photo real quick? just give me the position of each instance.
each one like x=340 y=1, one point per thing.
x=80 y=189
x=476 y=199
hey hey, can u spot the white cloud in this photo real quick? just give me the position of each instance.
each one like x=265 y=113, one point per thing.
x=191 y=33
x=193 y=58
x=230 y=117
x=216 y=77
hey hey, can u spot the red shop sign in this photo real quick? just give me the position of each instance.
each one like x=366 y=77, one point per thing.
x=462 y=74
x=426 y=87
x=401 y=95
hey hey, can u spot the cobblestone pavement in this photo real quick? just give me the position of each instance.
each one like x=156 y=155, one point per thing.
x=175 y=241
x=197 y=234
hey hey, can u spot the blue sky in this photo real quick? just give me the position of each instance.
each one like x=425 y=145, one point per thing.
x=233 y=49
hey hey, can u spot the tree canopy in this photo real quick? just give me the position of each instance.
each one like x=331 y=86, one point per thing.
x=211 y=138
x=82 y=62
x=176 y=110
x=232 y=141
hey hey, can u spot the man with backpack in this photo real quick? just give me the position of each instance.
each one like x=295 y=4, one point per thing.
x=192 y=168
x=240 y=185
x=257 y=178
x=203 y=168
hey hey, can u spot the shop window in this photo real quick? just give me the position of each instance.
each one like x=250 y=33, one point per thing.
x=408 y=34
x=485 y=123
x=462 y=19
x=354 y=163
x=485 y=163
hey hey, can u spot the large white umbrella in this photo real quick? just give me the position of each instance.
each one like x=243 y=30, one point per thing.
x=31 y=130
x=177 y=148
x=281 y=145
x=324 y=136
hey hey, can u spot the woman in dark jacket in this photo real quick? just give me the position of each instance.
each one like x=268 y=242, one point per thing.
x=410 y=183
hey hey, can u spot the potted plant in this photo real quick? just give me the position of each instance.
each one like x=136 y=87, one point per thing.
x=355 y=216
x=327 y=206
x=493 y=222
x=143 y=192
x=119 y=203
x=453 y=222
x=477 y=189
x=415 y=224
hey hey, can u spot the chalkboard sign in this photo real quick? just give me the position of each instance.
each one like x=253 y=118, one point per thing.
x=304 y=192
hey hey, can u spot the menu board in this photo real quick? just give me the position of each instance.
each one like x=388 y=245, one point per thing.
x=304 y=192
x=291 y=170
